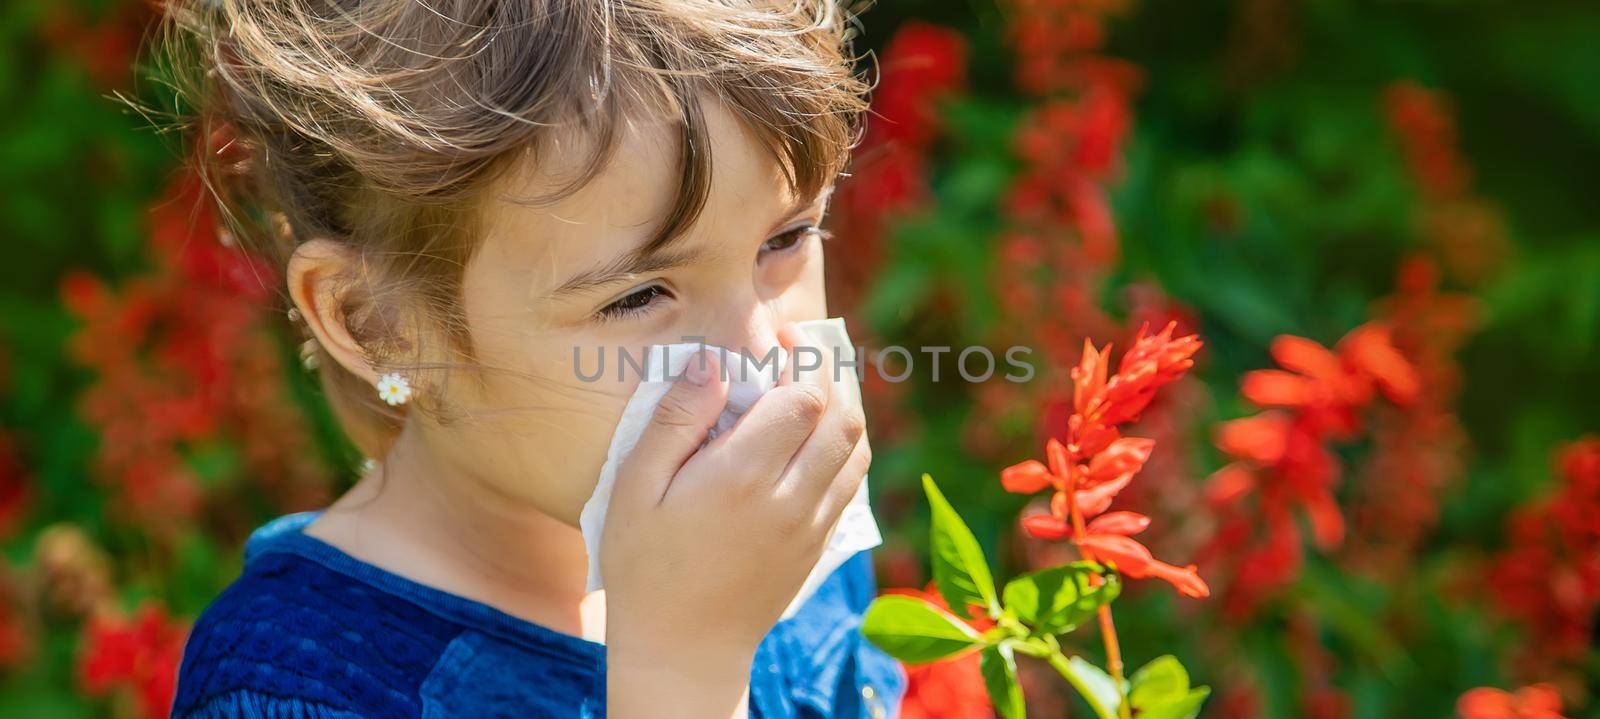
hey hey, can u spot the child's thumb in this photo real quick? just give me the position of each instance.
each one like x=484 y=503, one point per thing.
x=676 y=430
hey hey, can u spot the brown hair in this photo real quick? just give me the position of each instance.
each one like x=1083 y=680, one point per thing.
x=381 y=123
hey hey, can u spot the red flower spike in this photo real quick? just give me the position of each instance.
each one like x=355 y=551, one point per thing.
x=1025 y=478
x=1093 y=461
x=1319 y=395
x=1545 y=577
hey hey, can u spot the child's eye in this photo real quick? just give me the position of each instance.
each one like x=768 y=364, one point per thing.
x=635 y=302
x=789 y=239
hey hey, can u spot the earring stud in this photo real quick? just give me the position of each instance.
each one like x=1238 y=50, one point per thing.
x=394 y=389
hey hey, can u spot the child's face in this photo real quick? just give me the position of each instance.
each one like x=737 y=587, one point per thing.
x=554 y=277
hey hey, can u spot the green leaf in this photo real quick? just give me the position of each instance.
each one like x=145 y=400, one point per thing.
x=999 y=667
x=1182 y=707
x=959 y=569
x=1160 y=690
x=1161 y=681
x=1057 y=600
x=914 y=631
x=1096 y=687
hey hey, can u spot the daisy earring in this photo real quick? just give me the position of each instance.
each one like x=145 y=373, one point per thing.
x=394 y=388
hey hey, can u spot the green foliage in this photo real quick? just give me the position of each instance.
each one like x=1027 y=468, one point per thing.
x=998 y=664
x=1058 y=599
x=959 y=568
x=1096 y=687
x=916 y=632
x=1160 y=690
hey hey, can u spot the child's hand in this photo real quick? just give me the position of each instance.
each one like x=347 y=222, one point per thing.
x=704 y=549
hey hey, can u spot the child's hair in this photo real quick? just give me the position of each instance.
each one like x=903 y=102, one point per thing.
x=381 y=123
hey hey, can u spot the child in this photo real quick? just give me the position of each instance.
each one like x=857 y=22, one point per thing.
x=464 y=192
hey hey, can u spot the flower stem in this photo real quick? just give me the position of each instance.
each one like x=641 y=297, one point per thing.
x=1108 y=629
x=1063 y=666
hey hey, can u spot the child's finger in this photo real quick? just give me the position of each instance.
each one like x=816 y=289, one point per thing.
x=676 y=430
x=824 y=453
x=844 y=485
x=766 y=438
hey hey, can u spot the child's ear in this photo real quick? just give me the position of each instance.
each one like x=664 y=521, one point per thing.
x=320 y=274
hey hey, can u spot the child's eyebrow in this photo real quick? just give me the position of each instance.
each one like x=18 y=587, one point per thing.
x=641 y=261
x=801 y=206
x=653 y=257
x=822 y=198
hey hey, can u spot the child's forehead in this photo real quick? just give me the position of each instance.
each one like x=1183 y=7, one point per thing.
x=623 y=205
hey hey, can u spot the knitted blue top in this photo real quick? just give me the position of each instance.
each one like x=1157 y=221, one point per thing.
x=309 y=632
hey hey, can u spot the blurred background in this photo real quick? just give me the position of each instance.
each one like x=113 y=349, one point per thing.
x=1423 y=172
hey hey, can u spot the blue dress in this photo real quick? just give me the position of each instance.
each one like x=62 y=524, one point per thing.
x=309 y=632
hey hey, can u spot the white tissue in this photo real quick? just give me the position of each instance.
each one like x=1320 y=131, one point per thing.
x=856 y=530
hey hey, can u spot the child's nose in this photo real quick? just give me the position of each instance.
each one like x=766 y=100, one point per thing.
x=754 y=332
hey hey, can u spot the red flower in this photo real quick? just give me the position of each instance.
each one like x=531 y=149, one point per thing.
x=1548 y=577
x=1370 y=351
x=1539 y=701
x=921 y=64
x=1120 y=523
x=1095 y=462
x=1108 y=539
x=1332 y=387
x=1061 y=239
x=1118 y=462
x=1153 y=362
x=1046 y=526
x=1026 y=478
x=140 y=654
x=104 y=46
x=1427 y=130
x=1282 y=454
x=184 y=356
